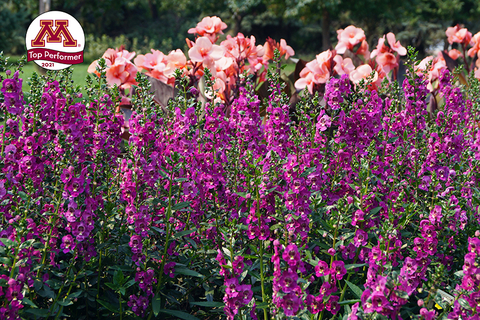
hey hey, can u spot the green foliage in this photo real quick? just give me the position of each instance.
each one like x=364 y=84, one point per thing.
x=14 y=19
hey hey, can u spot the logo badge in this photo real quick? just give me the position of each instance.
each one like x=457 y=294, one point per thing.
x=55 y=40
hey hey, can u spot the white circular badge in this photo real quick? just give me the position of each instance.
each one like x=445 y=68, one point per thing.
x=55 y=40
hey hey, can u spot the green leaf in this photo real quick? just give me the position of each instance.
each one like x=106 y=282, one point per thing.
x=118 y=277
x=156 y=304
x=355 y=289
x=75 y=295
x=5 y=260
x=112 y=286
x=22 y=195
x=181 y=205
x=29 y=302
x=158 y=230
x=108 y=305
x=242 y=194
x=270 y=190
x=183 y=233
x=38 y=312
x=7 y=242
x=262 y=305
x=375 y=210
x=353 y=266
x=211 y=304
x=27 y=243
x=179 y=314
x=65 y=303
x=402 y=294
x=37 y=284
x=464 y=304
x=349 y=301
x=188 y=272
x=129 y=284
x=47 y=292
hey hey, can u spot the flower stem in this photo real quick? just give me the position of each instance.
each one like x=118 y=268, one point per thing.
x=262 y=280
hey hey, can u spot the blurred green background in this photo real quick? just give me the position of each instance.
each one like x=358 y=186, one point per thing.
x=309 y=26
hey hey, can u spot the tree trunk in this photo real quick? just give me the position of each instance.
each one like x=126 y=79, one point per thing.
x=325 y=30
x=44 y=6
x=153 y=9
x=238 y=20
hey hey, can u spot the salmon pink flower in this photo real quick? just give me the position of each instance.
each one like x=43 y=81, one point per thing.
x=271 y=45
x=385 y=54
x=454 y=54
x=307 y=80
x=363 y=72
x=320 y=72
x=343 y=66
x=285 y=49
x=153 y=63
x=395 y=45
x=381 y=48
x=175 y=60
x=240 y=48
x=161 y=66
x=209 y=27
x=458 y=35
x=122 y=73
x=120 y=70
x=315 y=72
x=363 y=50
x=348 y=38
x=387 y=60
x=476 y=46
x=324 y=59
x=206 y=52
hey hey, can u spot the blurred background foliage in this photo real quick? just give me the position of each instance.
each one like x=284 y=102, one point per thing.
x=309 y=26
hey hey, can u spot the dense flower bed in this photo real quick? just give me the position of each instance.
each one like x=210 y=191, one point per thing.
x=359 y=201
